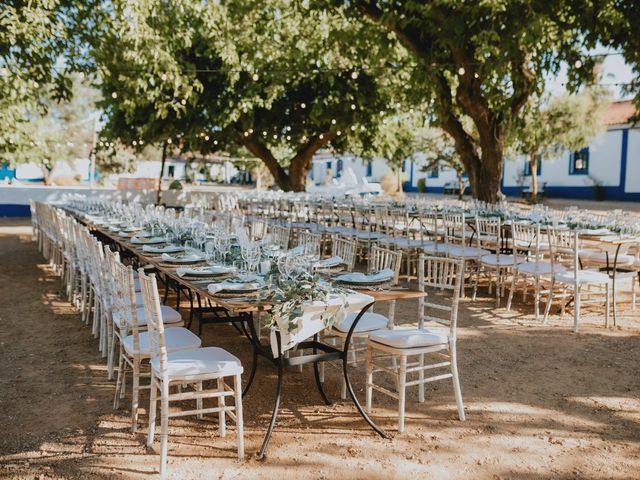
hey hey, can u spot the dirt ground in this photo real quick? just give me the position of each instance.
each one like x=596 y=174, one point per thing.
x=541 y=402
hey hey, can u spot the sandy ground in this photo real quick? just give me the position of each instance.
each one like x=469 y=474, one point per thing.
x=541 y=402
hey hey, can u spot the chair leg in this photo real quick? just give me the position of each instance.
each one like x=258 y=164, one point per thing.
x=514 y=279
x=536 y=300
x=549 y=299
x=456 y=381
x=576 y=310
x=402 y=391
x=222 y=422
x=111 y=355
x=607 y=306
x=153 y=403
x=120 y=379
x=421 y=376
x=237 y=386
x=164 y=428
x=135 y=394
x=369 y=376
x=200 y=416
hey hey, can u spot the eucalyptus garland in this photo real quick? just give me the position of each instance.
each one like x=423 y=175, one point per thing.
x=289 y=296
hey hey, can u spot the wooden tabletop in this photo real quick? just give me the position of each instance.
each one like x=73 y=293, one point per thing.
x=228 y=303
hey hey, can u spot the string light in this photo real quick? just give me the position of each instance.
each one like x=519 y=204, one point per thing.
x=169 y=141
x=338 y=133
x=354 y=75
x=141 y=142
x=164 y=77
x=578 y=63
x=353 y=107
x=246 y=134
x=321 y=136
x=114 y=95
x=333 y=121
x=303 y=105
x=135 y=143
x=215 y=142
x=264 y=133
x=183 y=102
x=206 y=137
x=353 y=128
x=255 y=77
x=461 y=71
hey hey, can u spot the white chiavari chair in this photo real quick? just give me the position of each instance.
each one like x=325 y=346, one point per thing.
x=443 y=278
x=196 y=367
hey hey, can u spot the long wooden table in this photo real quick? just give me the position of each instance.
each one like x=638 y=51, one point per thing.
x=243 y=312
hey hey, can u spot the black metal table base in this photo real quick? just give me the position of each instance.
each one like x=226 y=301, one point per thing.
x=321 y=353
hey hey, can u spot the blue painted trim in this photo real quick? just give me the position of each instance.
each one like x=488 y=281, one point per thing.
x=582 y=193
x=13 y=210
x=411 y=174
x=623 y=159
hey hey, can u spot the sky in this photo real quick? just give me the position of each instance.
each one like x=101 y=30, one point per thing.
x=614 y=70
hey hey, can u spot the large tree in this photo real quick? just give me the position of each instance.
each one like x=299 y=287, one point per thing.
x=263 y=75
x=481 y=60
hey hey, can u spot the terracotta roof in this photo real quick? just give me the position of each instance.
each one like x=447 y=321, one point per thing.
x=619 y=113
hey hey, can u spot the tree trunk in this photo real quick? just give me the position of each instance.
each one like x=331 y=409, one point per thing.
x=460 y=185
x=164 y=159
x=533 y=165
x=296 y=179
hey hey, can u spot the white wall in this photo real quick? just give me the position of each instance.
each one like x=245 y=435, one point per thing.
x=604 y=165
x=632 y=183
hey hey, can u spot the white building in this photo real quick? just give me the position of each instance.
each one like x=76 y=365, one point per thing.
x=609 y=168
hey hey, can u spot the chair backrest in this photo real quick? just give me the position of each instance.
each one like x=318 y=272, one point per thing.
x=346 y=249
x=439 y=275
x=381 y=258
x=454 y=228
x=309 y=241
x=526 y=237
x=280 y=235
x=489 y=231
x=155 y=327
x=563 y=248
x=124 y=305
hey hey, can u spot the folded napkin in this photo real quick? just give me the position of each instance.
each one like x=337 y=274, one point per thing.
x=213 y=270
x=192 y=257
x=358 y=277
x=329 y=262
x=234 y=286
x=139 y=240
x=165 y=249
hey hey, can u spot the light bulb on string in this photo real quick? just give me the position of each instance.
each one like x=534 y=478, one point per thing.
x=114 y=95
x=338 y=133
x=163 y=77
x=275 y=137
x=134 y=143
x=264 y=133
x=303 y=105
x=353 y=128
x=578 y=63
x=251 y=130
x=475 y=75
x=183 y=101
x=206 y=137
x=215 y=142
x=321 y=136
x=169 y=141
x=255 y=77
x=353 y=107
x=246 y=133
x=354 y=75
x=333 y=121
x=461 y=71
x=141 y=142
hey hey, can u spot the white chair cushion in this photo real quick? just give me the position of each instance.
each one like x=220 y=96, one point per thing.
x=538 y=268
x=502 y=261
x=434 y=248
x=411 y=338
x=369 y=322
x=404 y=242
x=466 y=252
x=169 y=315
x=592 y=256
x=175 y=339
x=199 y=361
x=584 y=276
